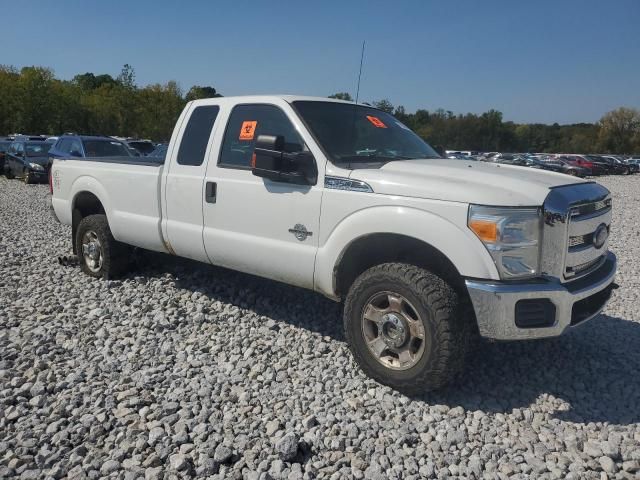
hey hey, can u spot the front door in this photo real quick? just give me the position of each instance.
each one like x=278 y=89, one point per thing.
x=253 y=224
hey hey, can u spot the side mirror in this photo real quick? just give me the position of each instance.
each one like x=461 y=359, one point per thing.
x=75 y=153
x=270 y=161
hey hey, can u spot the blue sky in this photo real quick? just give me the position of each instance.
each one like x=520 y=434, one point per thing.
x=545 y=61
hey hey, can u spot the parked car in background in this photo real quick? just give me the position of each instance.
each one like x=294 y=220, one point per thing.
x=82 y=146
x=160 y=151
x=615 y=166
x=27 y=159
x=30 y=138
x=509 y=159
x=4 y=146
x=565 y=166
x=145 y=147
x=624 y=167
x=596 y=168
x=52 y=140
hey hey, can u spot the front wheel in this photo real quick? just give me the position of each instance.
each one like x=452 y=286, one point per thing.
x=100 y=255
x=406 y=327
x=27 y=177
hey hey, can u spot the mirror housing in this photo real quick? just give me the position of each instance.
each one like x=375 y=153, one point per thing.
x=75 y=153
x=270 y=161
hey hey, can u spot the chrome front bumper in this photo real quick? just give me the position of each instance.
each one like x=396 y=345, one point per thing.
x=573 y=303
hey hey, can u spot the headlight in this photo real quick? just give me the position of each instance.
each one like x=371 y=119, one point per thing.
x=36 y=166
x=512 y=237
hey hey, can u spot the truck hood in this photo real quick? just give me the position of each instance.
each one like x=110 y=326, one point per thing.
x=463 y=181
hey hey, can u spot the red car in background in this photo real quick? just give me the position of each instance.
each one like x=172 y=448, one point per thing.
x=584 y=162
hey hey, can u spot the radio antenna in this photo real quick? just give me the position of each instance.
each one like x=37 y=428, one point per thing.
x=360 y=72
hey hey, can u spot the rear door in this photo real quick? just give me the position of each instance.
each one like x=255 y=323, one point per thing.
x=184 y=181
x=254 y=224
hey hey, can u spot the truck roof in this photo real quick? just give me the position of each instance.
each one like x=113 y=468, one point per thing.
x=267 y=98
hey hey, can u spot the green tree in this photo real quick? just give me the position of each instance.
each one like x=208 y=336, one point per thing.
x=197 y=92
x=619 y=130
x=384 y=105
x=342 y=96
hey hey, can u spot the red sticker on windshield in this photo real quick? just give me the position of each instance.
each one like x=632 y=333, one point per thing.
x=376 y=121
x=247 y=130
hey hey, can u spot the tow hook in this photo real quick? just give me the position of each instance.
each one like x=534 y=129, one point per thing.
x=68 y=260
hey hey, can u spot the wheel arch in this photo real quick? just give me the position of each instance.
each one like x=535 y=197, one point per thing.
x=84 y=203
x=376 y=248
x=401 y=234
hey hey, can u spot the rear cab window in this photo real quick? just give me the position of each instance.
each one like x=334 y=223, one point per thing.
x=245 y=124
x=195 y=137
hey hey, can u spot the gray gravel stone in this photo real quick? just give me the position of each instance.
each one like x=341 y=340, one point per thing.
x=287 y=446
x=149 y=375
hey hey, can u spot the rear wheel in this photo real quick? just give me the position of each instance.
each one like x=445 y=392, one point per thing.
x=573 y=173
x=100 y=255
x=8 y=173
x=405 y=327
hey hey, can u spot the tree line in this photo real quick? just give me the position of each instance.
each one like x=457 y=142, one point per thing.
x=33 y=100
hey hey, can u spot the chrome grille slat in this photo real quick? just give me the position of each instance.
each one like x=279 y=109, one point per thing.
x=590 y=208
x=579 y=240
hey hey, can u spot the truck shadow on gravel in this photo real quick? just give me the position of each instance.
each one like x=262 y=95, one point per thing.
x=592 y=374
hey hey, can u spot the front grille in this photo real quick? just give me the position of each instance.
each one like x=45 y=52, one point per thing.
x=582 y=255
x=580 y=240
x=590 y=208
x=576 y=269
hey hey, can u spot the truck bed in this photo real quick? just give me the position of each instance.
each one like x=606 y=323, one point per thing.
x=127 y=188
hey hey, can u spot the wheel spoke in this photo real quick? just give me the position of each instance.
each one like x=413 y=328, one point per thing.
x=416 y=329
x=405 y=356
x=373 y=314
x=85 y=249
x=395 y=303
x=377 y=346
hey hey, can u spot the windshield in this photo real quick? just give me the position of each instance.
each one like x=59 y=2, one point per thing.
x=39 y=149
x=351 y=133
x=105 y=148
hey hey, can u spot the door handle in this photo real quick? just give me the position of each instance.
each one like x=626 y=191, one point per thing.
x=210 y=192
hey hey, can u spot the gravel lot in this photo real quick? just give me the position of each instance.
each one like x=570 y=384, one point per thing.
x=184 y=370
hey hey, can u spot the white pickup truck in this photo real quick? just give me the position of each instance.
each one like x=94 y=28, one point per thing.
x=346 y=200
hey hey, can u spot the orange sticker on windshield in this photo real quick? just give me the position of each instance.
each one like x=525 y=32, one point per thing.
x=248 y=129
x=376 y=121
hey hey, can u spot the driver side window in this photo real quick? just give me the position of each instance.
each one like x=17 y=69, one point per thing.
x=245 y=124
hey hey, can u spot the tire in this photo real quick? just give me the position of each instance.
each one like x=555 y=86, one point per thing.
x=113 y=260
x=573 y=173
x=27 y=177
x=435 y=305
x=8 y=173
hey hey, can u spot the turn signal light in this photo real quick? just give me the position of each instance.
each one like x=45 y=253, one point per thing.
x=486 y=231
